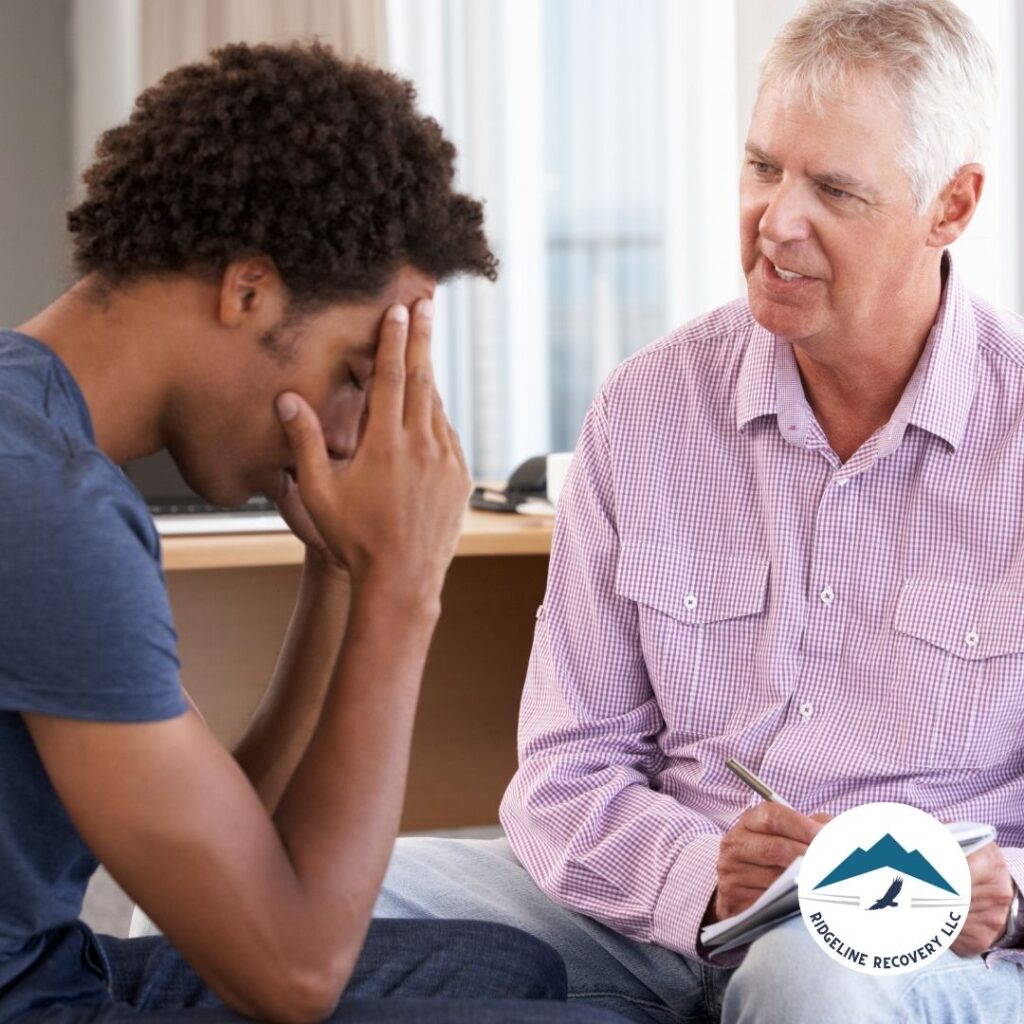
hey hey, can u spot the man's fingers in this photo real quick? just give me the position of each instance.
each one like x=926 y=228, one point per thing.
x=767 y=851
x=306 y=438
x=748 y=876
x=456 y=446
x=439 y=425
x=765 y=840
x=419 y=388
x=388 y=395
x=777 y=820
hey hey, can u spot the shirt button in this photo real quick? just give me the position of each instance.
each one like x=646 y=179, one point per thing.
x=828 y=595
x=842 y=481
x=972 y=638
x=690 y=602
x=806 y=709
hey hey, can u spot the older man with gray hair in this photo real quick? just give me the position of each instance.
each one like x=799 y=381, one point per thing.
x=792 y=534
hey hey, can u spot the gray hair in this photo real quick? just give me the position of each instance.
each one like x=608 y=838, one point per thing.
x=939 y=69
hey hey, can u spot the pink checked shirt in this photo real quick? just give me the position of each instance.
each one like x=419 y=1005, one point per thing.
x=722 y=585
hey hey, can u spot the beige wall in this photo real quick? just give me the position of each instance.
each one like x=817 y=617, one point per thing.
x=35 y=159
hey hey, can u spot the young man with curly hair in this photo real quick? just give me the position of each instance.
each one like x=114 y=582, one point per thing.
x=258 y=248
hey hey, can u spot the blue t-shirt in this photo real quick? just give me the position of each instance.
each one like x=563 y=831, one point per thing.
x=85 y=631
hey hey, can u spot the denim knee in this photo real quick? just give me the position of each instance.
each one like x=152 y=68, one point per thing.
x=785 y=977
x=539 y=967
x=455 y=959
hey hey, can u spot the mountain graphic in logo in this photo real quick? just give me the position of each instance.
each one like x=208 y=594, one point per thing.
x=886 y=853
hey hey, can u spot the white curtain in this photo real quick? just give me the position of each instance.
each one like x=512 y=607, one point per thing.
x=478 y=67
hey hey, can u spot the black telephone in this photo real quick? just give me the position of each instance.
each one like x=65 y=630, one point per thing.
x=527 y=481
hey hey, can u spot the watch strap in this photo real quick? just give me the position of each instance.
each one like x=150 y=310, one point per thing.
x=1014 y=933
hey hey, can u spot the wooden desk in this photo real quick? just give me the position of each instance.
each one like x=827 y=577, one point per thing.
x=232 y=596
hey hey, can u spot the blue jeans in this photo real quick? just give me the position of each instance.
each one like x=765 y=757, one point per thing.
x=784 y=979
x=437 y=972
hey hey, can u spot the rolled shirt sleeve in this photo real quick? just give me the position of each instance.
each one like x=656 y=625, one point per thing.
x=583 y=813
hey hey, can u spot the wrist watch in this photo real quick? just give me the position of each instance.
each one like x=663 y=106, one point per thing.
x=1014 y=933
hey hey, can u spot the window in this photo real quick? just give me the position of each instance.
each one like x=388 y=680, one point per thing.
x=593 y=129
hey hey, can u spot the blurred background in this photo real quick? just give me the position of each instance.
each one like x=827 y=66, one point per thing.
x=604 y=135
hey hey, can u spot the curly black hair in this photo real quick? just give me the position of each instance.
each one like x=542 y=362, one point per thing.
x=289 y=152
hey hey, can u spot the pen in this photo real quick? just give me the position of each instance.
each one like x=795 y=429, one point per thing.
x=754 y=782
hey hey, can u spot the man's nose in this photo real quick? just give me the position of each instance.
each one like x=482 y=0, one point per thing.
x=785 y=217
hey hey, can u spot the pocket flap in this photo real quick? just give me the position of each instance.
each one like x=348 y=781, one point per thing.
x=972 y=623
x=695 y=591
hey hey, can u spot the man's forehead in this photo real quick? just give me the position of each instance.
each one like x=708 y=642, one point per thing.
x=360 y=321
x=408 y=285
x=846 y=143
x=865 y=99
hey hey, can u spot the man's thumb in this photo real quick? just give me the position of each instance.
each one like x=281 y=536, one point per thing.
x=287 y=407
x=303 y=430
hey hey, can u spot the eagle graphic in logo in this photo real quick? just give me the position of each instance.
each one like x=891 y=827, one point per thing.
x=889 y=899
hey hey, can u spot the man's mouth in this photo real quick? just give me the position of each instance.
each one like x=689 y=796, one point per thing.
x=784 y=273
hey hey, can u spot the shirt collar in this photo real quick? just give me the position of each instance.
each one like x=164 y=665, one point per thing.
x=769 y=385
x=949 y=377
x=755 y=386
x=937 y=398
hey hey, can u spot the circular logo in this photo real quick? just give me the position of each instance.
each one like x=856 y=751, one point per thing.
x=884 y=888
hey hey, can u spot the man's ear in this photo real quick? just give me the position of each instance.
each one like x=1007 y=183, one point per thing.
x=250 y=287
x=956 y=204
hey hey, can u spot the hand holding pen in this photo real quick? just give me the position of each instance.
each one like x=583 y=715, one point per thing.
x=765 y=840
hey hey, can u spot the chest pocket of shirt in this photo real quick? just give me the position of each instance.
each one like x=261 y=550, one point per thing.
x=701 y=622
x=958 y=673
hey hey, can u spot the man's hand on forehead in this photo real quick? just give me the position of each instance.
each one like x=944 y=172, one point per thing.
x=395 y=508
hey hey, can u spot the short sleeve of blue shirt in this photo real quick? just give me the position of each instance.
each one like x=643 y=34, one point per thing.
x=87 y=628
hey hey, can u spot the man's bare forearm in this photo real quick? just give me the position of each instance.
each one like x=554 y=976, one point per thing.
x=340 y=812
x=279 y=732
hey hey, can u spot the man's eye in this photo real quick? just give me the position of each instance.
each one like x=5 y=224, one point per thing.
x=760 y=167
x=355 y=381
x=835 y=193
